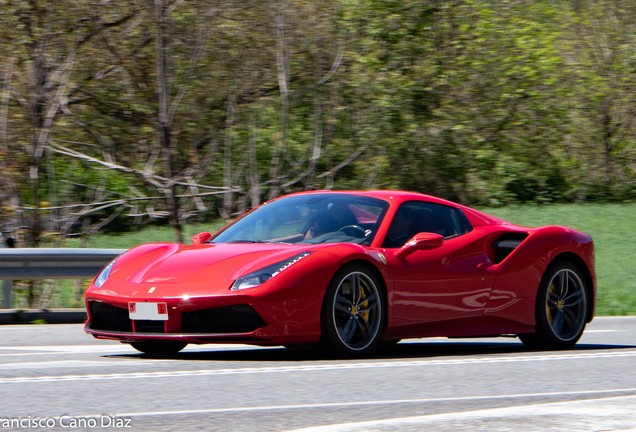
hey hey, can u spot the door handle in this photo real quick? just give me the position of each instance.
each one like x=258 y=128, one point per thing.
x=482 y=266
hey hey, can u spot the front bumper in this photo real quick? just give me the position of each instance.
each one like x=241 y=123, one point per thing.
x=230 y=323
x=261 y=336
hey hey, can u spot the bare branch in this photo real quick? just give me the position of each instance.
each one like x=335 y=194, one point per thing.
x=106 y=204
x=198 y=52
x=195 y=195
x=175 y=5
x=110 y=165
x=208 y=160
x=347 y=161
x=162 y=90
x=311 y=168
x=48 y=122
x=99 y=225
x=69 y=152
x=283 y=86
x=94 y=188
x=4 y=108
x=334 y=66
x=227 y=155
x=253 y=177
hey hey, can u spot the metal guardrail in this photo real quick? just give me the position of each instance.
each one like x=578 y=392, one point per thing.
x=50 y=263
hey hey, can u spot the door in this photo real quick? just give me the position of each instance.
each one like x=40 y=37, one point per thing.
x=439 y=284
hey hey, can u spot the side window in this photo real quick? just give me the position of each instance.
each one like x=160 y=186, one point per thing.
x=416 y=217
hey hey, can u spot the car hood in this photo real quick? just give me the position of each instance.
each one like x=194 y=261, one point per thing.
x=168 y=263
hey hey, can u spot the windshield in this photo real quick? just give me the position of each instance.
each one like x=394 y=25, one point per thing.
x=309 y=219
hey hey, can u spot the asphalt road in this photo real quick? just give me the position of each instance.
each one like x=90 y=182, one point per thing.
x=58 y=374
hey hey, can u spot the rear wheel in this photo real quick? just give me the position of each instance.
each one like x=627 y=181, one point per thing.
x=159 y=347
x=353 y=312
x=561 y=308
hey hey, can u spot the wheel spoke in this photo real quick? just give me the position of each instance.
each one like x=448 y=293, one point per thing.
x=573 y=304
x=349 y=331
x=576 y=294
x=566 y=282
x=557 y=325
x=363 y=328
x=569 y=319
x=561 y=285
x=571 y=315
x=343 y=301
x=368 y=308
x=342 y=308
x=367 y=301
x=355 y=287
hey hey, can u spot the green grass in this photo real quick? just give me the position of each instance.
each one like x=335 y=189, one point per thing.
x=612 y=226
x=613 y=229
x=146 y=235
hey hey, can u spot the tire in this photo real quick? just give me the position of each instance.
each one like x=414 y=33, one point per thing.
x=352 y=319
x=561 y=308
x=159 y=347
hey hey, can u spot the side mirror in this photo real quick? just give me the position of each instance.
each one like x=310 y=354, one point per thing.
x=421 y=241
x=201 y=238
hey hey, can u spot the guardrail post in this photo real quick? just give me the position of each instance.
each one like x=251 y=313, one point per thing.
x=6 y=299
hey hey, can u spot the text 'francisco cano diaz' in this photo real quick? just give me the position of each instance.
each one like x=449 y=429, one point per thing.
x=65 y=422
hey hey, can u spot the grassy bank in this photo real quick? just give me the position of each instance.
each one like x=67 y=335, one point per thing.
x=612 y=226
x=146 y=235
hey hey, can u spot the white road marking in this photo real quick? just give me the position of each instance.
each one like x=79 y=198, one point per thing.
x=374 y=402
x=73 y=349
x=64 y=350
x=600 y=331
x=324 y=367
x=110 y=348
x=73 y=364
x=31 y=354
x=36 y=326
x=554 y=409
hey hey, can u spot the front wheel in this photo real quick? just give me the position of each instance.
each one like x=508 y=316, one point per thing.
x=561 y=309
x=159 y=347
x=353 y=312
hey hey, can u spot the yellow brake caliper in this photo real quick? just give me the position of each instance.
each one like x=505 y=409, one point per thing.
x=364 y=304
x=547 y=306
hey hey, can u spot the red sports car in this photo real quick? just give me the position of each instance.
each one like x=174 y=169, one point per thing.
x=345 y=270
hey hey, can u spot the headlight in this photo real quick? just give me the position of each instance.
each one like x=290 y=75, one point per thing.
x=256 y=278
x=103 y=275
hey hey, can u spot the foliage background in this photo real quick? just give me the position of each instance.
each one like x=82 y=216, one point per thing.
x=178 y=110
x=115 y=115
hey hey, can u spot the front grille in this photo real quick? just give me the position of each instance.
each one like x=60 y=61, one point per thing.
x=149 y=326
x=109 y=317
x=227 y=319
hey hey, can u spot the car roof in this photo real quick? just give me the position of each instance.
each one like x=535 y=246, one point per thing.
x=398 y=197
x=387 y=195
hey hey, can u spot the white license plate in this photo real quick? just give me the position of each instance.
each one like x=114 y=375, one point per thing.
x=148 y=311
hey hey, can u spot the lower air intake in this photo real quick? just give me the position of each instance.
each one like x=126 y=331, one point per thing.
x=109 y=317
x=147 y=326
x=227 y=319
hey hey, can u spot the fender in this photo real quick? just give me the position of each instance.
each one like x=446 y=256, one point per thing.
x=519 y=275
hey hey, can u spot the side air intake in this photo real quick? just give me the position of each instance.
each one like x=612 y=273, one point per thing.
x=505 y=244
